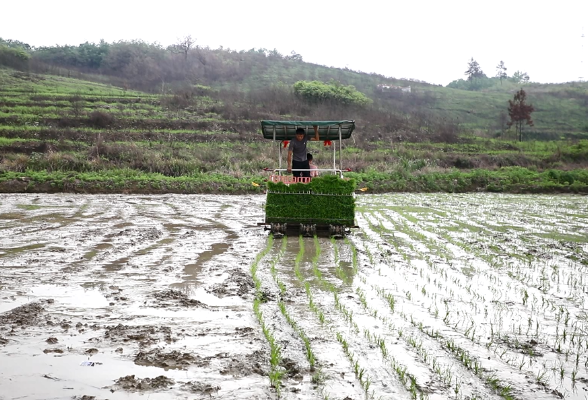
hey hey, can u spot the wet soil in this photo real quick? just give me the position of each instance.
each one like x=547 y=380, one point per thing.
x=183 y=296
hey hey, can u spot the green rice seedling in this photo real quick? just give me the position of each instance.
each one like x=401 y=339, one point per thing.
x=391 y=301
x=276 y=373
x=366 y=384
x=383 y=349
x=540 y=378
x=457 y=387
x=309 y=353
x=318 y=378
x=299 y=259
x=361 y=296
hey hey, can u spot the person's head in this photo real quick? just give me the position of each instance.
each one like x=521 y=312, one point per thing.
x=309 y=158
x=300 y=134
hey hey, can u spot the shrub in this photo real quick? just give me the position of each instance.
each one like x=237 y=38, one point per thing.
x=316 y=91
x=100 y=119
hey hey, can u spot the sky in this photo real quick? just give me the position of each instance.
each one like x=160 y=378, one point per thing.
x=428 y=40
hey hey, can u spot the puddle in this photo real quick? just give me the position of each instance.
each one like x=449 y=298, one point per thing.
x=69 y=296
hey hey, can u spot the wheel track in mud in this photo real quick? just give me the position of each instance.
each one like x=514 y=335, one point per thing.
x=120 y=232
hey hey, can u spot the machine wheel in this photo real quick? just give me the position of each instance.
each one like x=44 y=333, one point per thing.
x=278 y=229
x=337 y=231
x=308 y=229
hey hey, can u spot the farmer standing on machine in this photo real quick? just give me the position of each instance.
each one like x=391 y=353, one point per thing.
x=297 y=152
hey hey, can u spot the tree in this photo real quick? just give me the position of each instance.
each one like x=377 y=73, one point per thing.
x=520 y=113
x=15 y=44
x=274 y=54
x=474 y=70
x=520 y=77
x=183 y=46
x=476 y=76
x=501 y=71
x=294 y=56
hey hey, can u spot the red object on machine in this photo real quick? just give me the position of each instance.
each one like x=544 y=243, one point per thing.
x=327 y=143
x=286 y=142
x=288 y=179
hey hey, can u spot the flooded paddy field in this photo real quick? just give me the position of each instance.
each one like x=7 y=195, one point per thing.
x=438 y=296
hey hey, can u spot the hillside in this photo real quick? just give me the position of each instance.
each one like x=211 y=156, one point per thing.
x=81 y=131
x=259 y=82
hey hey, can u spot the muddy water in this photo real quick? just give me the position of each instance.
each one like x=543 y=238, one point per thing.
x=435 y=296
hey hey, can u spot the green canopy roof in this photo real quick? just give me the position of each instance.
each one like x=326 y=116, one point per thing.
x=286 y=130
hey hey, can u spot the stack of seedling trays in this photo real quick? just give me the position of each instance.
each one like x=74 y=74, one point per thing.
x=325 y=201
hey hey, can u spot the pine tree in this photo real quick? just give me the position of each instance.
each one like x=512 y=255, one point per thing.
x=501 y=71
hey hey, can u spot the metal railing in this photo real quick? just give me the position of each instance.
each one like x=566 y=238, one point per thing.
x=336 y=171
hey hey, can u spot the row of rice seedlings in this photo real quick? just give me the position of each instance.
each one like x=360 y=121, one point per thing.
x=561 y=315
x=406 y=378
x=276 y=371
x=311 y=304
x=354 y=263
x=310 y=356
x=360 y=372
x=508 y=360
x=444 y=372
x=465 y=360
x=365 y=382
x=338 y=270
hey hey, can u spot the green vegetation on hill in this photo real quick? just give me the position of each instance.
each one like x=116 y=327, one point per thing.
x=334 y=92
x=260 y=81
x=143 y=118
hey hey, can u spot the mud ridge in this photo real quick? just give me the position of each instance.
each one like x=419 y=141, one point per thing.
x=171 y=360
x=25 y=315
x=130 y=383
x=238 y=283
x=173 y=296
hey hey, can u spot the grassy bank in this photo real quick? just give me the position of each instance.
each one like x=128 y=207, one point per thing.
x=507 y=179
